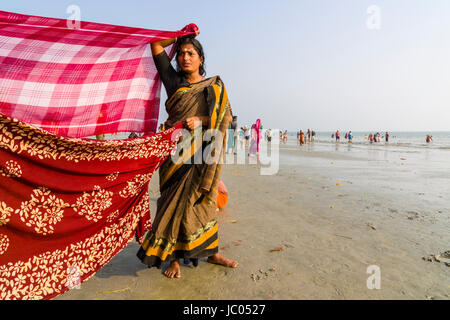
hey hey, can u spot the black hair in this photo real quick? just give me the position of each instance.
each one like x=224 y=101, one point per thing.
x=198 y=47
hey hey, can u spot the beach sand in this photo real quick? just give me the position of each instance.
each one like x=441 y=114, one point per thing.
x=311 y=231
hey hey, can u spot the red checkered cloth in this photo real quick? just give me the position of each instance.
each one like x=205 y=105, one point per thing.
x=97 y=79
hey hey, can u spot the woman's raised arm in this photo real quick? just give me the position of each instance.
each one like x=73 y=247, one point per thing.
x=158 y=47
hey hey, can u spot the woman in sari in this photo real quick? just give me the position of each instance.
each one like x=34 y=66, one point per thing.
x=258 y=134
x=232 y=135
x=185 y=224
x=253 y=142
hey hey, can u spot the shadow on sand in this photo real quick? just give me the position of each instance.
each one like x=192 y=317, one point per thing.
x=125 y=263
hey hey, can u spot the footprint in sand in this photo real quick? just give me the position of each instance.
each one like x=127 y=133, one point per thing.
x=261 y=275
x=320 y=281
x=413 y=215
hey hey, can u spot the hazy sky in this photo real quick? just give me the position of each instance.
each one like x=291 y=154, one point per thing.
x=319 y=64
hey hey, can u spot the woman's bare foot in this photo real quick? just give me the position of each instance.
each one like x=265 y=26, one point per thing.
x=220 y=259
x=173 y=270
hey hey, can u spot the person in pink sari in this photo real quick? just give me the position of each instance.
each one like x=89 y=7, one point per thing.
x=258 y=134
x=255 y=138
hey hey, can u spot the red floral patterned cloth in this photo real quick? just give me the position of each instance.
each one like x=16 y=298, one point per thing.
x=68 y=205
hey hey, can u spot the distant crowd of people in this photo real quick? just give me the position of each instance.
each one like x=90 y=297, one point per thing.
x=377 y=137
x=303 y=138
x=243 y=137
x=247 y=137
x=371 y=137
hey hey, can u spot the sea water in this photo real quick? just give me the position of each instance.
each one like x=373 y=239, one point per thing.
x=406 y=147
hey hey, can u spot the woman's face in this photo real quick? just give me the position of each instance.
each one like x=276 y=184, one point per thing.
x=188 y=59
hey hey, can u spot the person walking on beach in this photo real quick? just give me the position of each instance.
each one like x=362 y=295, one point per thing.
x=338 y=136
x=236 y=133
x=232 y=136
x=185 y=225
x=241 y=138
x=269 y=135
x=246 y=136
x=302 y=136
x=386 y=136
x=252 y=150
x=350 y=137
x=258 y=128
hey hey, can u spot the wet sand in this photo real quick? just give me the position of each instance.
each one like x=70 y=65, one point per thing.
x=310 y=232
